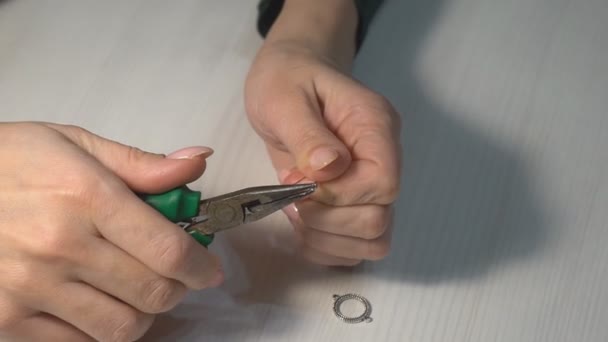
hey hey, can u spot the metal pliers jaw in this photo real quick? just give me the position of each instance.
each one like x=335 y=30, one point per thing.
x=244 y=206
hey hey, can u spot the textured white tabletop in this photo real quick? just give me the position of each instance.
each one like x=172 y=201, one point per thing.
x=501 y=230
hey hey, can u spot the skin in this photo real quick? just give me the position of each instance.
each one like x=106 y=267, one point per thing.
x=319 y=124
x=103 y=263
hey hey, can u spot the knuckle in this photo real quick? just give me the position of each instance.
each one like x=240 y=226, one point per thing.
x=126 y=326
x=383 y=104
x=55 y=244
x=79 y=135
x=76 y=130
x=86 y=186
x=172 y=252
x=80 y=187
x=378 y=249
x=135 y=155
x=388 y=189
x=23 y=278
x=378 y=116
x=73 y=132
x=52 y=243
x=308 y=136
x=372 y=102
x=374 y=224
x=159 y=295
x=84 y=137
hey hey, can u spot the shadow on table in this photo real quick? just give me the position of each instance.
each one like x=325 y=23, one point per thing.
x=467 y=203
x=213 y=322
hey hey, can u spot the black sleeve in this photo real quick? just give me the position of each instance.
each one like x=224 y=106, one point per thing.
x=268 y=11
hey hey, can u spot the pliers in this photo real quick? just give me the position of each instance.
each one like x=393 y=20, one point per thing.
x=202 y=219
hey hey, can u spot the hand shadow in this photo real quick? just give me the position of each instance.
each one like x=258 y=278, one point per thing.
x=467 y=204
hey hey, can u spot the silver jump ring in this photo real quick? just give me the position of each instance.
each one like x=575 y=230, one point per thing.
x=364 y=317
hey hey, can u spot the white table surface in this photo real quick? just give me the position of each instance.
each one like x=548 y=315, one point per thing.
x=501 y=230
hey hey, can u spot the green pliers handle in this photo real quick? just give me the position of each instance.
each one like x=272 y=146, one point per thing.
x=179 y=205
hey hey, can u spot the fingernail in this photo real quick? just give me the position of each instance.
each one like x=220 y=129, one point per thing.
x=191 y=152
x=292 y=213
x=322 y=157
x=294 y=177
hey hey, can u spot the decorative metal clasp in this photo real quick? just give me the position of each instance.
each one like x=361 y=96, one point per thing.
x=364 y=317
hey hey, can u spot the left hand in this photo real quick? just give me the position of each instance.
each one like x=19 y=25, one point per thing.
x=321 y=125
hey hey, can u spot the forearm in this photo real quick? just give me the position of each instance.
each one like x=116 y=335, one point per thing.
x=327 y=28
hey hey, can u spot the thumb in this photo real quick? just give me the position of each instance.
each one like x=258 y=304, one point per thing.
x=141 y=171
x=319 y=154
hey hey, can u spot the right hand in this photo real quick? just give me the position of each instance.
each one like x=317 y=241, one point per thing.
x=81 y=256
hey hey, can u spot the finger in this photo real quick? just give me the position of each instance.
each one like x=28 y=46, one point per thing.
x=98 y=315
x=370 y=126
x=345 y=97
x=320 y=258
x=365 y=182
x=362 y=221
x=281 y=160
x=113 y=271
x=342 y=246
x=162 y=246
x=297 y=125
x=141 y=171
x=129 y=223
x=44 y=327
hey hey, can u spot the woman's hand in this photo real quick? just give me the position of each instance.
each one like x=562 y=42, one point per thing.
x=81 y=256
x=321 y=125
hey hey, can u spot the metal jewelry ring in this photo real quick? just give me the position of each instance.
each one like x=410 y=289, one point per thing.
x=364 y=317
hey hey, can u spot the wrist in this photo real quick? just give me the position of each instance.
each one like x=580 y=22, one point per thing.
x=325 y=28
